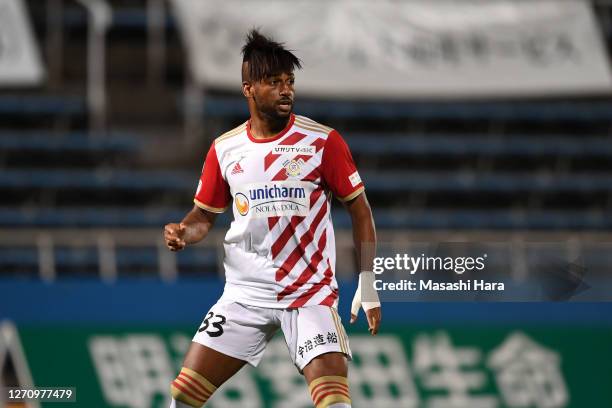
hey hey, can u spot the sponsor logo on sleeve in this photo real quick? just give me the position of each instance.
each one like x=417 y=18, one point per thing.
x=355 y=179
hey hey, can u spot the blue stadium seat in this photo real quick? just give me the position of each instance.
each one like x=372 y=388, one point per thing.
x=17 y=140
x=122 y=18
x=230 y=106
x=379 y=182
x=485 y=145
x=42 y=105
x=484 y=219
x=79 y=217
x=502 y=182
x=18 y=256
x=98 y=179
x=90 y=217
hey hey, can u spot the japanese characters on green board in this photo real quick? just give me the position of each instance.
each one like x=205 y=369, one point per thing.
x=404 y=367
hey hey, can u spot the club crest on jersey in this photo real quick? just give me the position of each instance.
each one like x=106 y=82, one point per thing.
x=273 y=199
x=242 y=204
x=293 y=167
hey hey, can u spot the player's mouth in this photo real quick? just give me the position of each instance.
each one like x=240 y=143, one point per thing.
x=285 y=104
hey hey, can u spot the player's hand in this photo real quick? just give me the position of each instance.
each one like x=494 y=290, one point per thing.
x=371 y=307
x=373 y=316
x=174 y=236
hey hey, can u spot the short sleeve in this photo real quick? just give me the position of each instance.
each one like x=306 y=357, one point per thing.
x=338 y=169
x=213 y=191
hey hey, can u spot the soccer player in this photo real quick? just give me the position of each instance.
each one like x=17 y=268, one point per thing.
x=278 y=172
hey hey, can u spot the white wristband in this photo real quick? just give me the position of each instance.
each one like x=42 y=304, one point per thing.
x=366 y=292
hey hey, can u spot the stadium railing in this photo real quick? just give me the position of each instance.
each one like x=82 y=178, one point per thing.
x=113 y=254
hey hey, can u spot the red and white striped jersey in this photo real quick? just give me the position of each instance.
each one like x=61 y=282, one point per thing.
x=280 y=248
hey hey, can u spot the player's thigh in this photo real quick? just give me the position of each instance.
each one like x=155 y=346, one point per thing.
x=334 y=363
x=213 y=365
x=315 y=337
x=230 y=335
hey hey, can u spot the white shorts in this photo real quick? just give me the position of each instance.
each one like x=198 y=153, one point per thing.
x=243 y=331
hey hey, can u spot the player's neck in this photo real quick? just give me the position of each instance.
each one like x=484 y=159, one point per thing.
x=265 y=127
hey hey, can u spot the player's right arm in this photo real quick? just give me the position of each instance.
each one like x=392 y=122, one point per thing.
x=191 y=230
x=212 y=198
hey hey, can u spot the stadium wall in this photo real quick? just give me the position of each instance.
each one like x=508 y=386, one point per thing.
x=120 y=344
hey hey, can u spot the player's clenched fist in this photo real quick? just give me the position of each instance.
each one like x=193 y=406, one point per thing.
x=174 y=235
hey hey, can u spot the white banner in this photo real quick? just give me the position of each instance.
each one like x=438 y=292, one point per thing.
x=414 y=48
x=19 y=58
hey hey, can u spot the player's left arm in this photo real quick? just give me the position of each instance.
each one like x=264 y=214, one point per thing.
x=340 y=175
x=364 y=238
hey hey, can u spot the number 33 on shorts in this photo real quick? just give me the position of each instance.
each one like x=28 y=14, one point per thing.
x=213 y=324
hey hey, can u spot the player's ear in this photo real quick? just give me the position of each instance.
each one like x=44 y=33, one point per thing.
x=247 y=89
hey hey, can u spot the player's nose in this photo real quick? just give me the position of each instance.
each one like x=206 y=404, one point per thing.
x=286 y=90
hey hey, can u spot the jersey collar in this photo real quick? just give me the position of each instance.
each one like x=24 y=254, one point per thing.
x=270 y=139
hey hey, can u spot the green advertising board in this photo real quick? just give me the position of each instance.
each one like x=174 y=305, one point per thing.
x=404 y=367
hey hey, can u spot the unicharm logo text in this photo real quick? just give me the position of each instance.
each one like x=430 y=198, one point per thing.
x=275 y=191
x=273 y=199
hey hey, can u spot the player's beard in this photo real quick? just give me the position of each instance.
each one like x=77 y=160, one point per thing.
x=271 y=112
